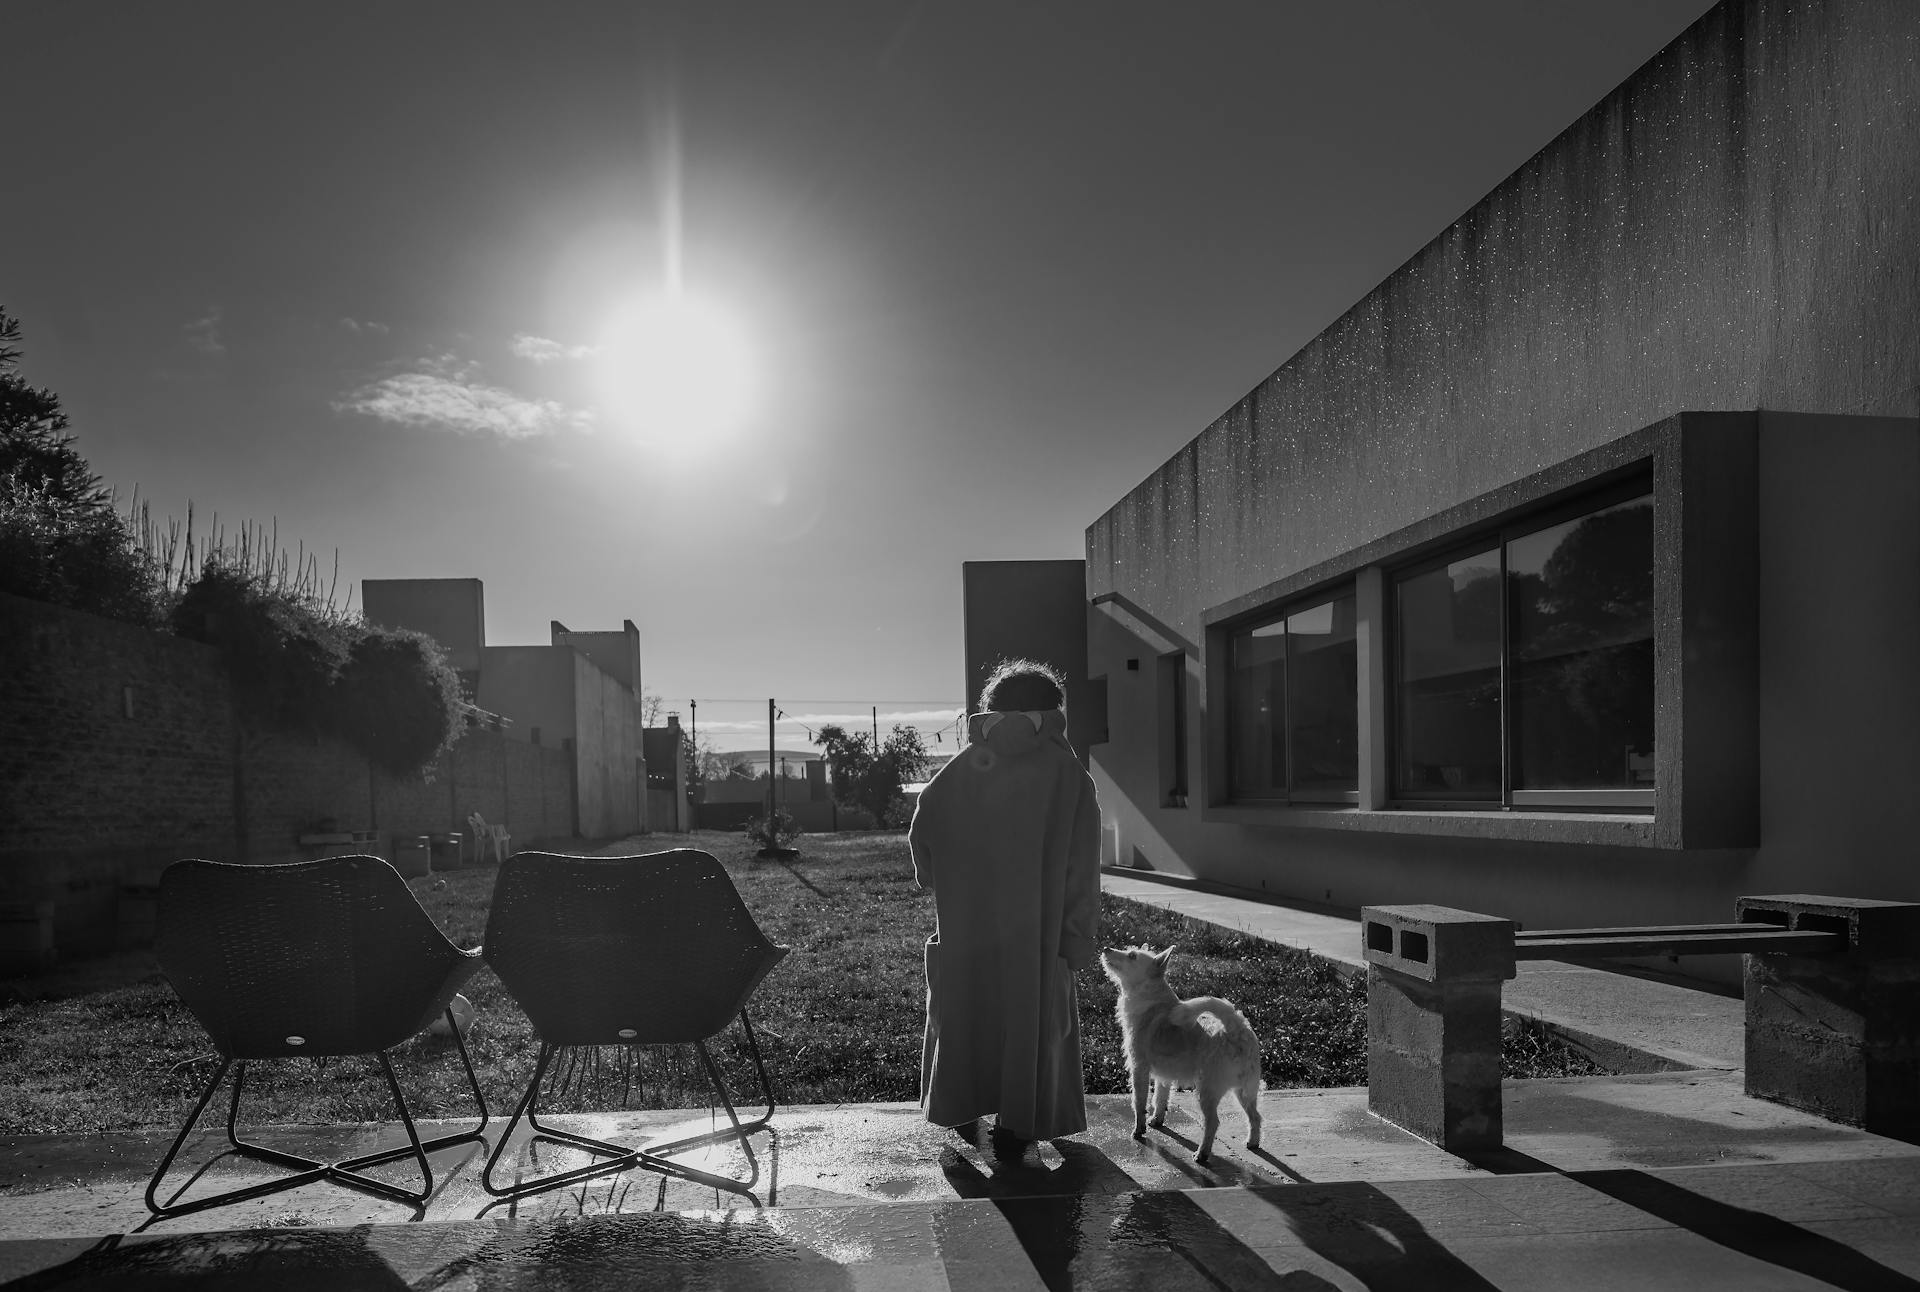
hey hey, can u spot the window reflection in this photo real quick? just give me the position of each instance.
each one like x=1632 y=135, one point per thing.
x=1294 y=701
x=1323 y=697
x=1258 y=752
x=1580 y=611
x=1448 y=701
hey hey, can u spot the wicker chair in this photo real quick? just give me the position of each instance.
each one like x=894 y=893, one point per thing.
x=318 y=958
x=648 y=950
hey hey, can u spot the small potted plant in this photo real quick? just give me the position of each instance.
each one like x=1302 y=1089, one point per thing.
x=775 y=835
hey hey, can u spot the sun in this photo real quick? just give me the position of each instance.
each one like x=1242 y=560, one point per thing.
x=677 y=373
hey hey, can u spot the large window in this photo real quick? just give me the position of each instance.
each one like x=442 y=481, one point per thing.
x=1524 y=664
x=1294 y=701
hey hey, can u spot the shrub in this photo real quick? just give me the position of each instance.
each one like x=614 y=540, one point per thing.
x=282 y=654
x=398 y=701
x=73 y=554
x=297 y=664
x=776 y=831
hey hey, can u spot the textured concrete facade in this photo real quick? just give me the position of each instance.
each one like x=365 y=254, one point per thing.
x=1735 y=228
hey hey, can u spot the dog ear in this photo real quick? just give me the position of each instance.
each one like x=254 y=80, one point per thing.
x=1164 y=956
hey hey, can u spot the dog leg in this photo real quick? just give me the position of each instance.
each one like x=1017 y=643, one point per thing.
x=1248 y=1092
x=1142 y=1078
x=1210 y=1098
x=1161 y=1091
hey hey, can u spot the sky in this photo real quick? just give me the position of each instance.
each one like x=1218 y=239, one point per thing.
x=748 y=322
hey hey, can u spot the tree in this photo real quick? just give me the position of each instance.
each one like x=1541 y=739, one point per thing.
x=60 y=539
x=36 y=449
x=864 y=778
x=651 y=707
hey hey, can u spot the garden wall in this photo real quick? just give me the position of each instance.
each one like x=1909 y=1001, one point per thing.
x=120 y=752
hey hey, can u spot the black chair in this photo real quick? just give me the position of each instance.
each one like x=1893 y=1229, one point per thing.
x=627 y=951
x=315 y=959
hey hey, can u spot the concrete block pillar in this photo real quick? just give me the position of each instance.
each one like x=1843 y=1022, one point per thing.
x=1433 y=1021
x=1838 y=1034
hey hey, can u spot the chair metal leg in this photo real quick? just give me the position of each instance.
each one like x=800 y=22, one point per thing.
x=307 y=1170
x=620 y=1158
x=738 y=1130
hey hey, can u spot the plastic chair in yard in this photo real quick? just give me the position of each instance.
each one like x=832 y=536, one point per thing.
x=315 y=959
x=486 y=837
x=647 y=950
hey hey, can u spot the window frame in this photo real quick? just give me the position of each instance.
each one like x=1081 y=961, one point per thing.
x=1279 y=613
x=1639 y=484
x=1705 y=468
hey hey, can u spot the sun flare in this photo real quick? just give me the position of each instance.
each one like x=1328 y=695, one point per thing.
x=678 y=373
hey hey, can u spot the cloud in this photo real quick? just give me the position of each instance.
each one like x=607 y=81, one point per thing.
x=537 y=349
x=203 y=334
x=359 y=325
x=446 y=394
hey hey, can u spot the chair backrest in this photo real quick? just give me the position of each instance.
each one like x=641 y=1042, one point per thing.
x=625 y=950
x=337 y=953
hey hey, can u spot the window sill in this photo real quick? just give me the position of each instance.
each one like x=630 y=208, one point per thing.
x=1618 y=829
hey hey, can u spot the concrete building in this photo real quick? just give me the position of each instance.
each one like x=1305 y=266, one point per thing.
x=580 y=692
x=1571 y=575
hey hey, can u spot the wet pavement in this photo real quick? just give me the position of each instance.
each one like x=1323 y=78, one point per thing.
x=1672 y=1179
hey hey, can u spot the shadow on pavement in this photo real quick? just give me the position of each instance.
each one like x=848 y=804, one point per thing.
x=1751 y=1233
x=1085 y=1224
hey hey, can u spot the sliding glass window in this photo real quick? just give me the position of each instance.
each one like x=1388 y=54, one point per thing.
x=1294 y=705
x=1524 y=664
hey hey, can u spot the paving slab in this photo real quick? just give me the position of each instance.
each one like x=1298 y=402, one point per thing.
x=1612 y=1229
x=1629 y=1023
x=825 y=1157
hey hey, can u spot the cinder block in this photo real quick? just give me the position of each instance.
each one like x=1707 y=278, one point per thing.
x=1437 y=943
x=1838 y=1035
x=1433 y=1021
x=1433 y=1058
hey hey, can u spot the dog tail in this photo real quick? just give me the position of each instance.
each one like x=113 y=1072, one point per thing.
x=1212 y=1015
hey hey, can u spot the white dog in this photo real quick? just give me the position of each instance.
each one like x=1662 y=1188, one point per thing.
x=1204 y=1043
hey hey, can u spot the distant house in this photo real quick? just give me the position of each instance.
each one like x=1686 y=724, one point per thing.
x=579 y=692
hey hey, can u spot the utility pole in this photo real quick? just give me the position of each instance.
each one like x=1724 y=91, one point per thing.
x=773 y=786
x=876 y=731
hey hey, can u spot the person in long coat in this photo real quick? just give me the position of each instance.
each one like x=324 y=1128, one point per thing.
x=1007 y=836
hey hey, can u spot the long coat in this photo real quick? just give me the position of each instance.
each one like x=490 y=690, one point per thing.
x=1007 y=836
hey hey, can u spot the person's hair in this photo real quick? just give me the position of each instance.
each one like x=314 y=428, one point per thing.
x=1020 y=684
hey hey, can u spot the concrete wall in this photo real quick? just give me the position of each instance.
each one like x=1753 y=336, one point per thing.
x=612 y=775
x=451 y=611
x=532 y=685
x=617 y=653
x=1734 y=228
x=121 y=752
x=1031 y=609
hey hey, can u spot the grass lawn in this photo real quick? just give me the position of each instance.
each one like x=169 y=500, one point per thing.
x=839 y=1020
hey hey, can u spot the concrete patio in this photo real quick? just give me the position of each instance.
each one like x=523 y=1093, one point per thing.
x=1666 y=1179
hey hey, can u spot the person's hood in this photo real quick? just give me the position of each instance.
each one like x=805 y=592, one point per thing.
x=1015 y=732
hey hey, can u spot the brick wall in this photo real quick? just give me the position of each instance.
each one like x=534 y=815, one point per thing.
x=120 y=753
